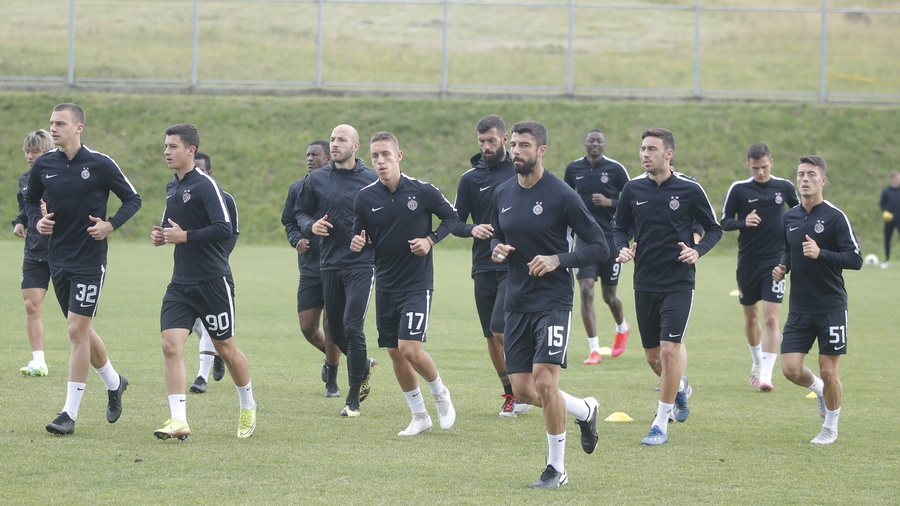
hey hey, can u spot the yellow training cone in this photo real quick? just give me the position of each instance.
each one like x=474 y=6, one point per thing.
x=606 y=351
x=734 y=293
x=618 y=416
x=811 y=395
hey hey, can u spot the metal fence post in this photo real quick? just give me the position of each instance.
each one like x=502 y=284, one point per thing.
x=194 y=43
x=445 y=50
x=697 y=36
x=570 y=64
x=70 y=79
x=824 y=63
x=319 y=45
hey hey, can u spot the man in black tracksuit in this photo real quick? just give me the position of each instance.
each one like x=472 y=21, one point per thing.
x=890 y=212
x=661 y=207
x=75 y=182
x=491 y=167
x=325 y=209
x=393 y=217
x=818 y=244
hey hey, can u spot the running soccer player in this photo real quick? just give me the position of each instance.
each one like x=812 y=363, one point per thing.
x=532 y=215
x=818 y=245
x=393 y=215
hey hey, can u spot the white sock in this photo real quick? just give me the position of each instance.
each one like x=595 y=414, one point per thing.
x=38 y=356
x=768 y=365
x=415 y=401
x=621 y=328
x=178 y=407
x=662 y=416
x=74 y=393
x=109 y=376
x=756 y=353
x=436 y=386
x=245 y=396
x=206 y=362
x=818 y=386
x=557 y=454
x=576 y=406
x=594 y=343
x=831 y=419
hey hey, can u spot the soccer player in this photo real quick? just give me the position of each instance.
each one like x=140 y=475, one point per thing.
x=818 y=245
x=599 y=181
x=661 y=208
x=35 y=269
x=197 y=221
x=393 y=217
x=325 y=209
x=532 y=215
x=310 y=301
x=75 y=182
x=490 y=167
x=890 y=208
x=209 y=359
x=755 y=207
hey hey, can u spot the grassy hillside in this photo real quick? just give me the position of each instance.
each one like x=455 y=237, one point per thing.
x=258 y=143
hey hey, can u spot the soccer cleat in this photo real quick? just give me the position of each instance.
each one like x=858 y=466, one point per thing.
x=620 y=341
x=681 y=408
x=332 y=390
x=173 y=429
x=114 y=407
x=247 y=422
x=655 y=437
x=446 y=411
x=822 y=408
x=34 y=368
x=885 y=264
x=61 y=425
x=218 y=368
x=199 y=385
x=420 y=423
x=593 y=359
x=551 y=478
x=588 y=426
x=325 y=372
x=509 y=406
x=754 y=375
x=349 y=412
x=521 y=408
x=765 y=387
x=826 y=437
x=366 y=386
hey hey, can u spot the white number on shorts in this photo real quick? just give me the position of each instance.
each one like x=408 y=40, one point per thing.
x=778 y=286
x=615 y=273
x=415 y=320
x=86 y=293
x=555 y=336
x=217 y=322
x=838 y=334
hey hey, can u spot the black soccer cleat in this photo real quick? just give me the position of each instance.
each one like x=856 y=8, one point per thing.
x=199 y=385
x=589 y=435
x=551 y=478
x=366 y=386
x=218 y=368
x=62 y=425
x=114 y=408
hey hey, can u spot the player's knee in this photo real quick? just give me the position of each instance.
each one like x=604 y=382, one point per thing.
x=33 y=307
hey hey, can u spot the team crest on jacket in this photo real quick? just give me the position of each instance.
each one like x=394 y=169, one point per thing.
x=412 y=204
x=820 y=227
x=674 y=204
x=85 y=173
x=604 y=178
x=186 y=196
x=778 y=198
x=537 y=209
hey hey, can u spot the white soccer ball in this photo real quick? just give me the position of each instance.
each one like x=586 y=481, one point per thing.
x=871 y=260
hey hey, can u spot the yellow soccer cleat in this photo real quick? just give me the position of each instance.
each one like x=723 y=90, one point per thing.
x=247 y=423
x=34 y=368
x=173 y=429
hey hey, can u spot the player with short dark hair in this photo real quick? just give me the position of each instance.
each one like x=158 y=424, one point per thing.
x=532 y=215
x=755 y=207
x=662 y=208
x=599 y=181
x=818 y=245
x=75 y=183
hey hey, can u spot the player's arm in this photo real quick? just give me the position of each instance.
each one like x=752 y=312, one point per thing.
x=360 y=225
x=463 y=205
x=596 y=248
x=124 y=190
x=305 y=207
x=848 y=255
x=500 y=251
x=219 y=228
x=289 y=219
x=791 y=195
x=730 y=210
x=706 y=216
x=31 y=199
x=622 y=222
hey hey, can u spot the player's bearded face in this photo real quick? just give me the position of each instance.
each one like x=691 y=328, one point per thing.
x=524 y=166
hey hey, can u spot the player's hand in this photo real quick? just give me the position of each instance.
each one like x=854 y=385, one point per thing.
x=45 y=224
x=627 y=254
x=43 y=207
x=601 y=200
x=358 y=242
x=420 y=246
x=322 y=226
x=501 y=253
x=303 y=246
x=19 y=230
x=542 y=264
x=752 y=219
x=778 y=272
x=100 y=229
x=156 y=236
x=688 y=254
x=810 y=248
x=174 y=234
x=483 y=231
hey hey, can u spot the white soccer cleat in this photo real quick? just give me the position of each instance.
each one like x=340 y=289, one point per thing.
x=754 y=375
x=446 y=412
x=420 y=423
x=825 y=437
